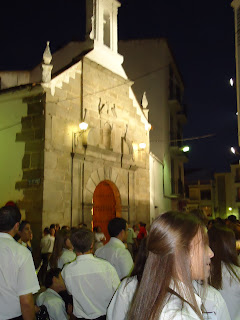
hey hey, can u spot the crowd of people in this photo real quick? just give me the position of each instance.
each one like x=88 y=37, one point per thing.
x=183 y=267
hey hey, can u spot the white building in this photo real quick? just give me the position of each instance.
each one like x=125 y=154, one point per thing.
x=150 y=64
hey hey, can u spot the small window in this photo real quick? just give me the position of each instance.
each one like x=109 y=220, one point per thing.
x=106 y=29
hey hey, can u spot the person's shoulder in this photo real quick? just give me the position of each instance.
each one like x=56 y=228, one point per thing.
x=20 y=250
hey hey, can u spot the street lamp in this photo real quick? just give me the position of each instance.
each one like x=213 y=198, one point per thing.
x=185 y=149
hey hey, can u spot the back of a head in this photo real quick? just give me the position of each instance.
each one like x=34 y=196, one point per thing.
x=54 y=272
x=232 y=218
x=46 y=230
x=222 y=241
x=115 y=226
x=198 y=213
x=168 y=246
x=140 y=260
x=9 y=216
x=82 y=240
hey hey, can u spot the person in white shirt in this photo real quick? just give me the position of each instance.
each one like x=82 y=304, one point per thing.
x=99 y=238
x=91 y=281
x=225 y=269
x=25 y=233
x=46 y=245
x=121 y=301
x=213 y=307
x=18 y=280
x=62 y=250
x=115 y=251
x=131 y=241
x=178 y=253
x=50 y=298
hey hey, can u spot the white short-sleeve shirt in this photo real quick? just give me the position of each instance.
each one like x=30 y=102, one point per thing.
x=119 y=257
x=47 y=244
x=17 y=276
x=231 y=291
x=214 y=306
x=66 y=256
x=54 y=304
x=92 y=283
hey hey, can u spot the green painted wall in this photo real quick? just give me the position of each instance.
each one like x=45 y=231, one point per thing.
x=12 y=152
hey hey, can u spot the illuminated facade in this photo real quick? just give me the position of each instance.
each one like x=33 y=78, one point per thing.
x=57 y=172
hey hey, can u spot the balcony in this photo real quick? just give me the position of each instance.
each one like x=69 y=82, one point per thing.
x=182 y=115
x=177 y=188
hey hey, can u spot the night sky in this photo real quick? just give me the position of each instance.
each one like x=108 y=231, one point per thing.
x=200 y=33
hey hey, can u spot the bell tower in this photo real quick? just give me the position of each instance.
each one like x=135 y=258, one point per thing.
x=102 y=29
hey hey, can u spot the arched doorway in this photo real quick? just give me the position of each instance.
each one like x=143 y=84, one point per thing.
x=106 y=205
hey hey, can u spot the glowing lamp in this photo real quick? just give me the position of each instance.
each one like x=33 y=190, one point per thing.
x=185 y=149
x=83 y=126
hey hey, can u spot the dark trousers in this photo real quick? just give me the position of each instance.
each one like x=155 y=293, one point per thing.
x=99 y=318
x=42 y=272
x=18 y=318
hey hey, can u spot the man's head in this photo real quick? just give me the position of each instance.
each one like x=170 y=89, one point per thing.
x=82 y=240
x=46 y=231
x=10 y=217
x=52 y=230
x=117 y=228
x=54 y=280
x=25 y=231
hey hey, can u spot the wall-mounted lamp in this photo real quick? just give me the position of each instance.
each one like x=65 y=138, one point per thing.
x=142 y=145
x=230 y=208
x=83 y=127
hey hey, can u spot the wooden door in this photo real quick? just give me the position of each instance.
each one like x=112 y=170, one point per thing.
x=104 y=207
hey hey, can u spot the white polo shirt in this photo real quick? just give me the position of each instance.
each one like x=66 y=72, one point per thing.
x=17 y=276
x=92 y=283
x=66 y=256
x=54 y=304
x=119 y=257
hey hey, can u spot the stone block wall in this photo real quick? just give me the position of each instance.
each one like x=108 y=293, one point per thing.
x=33 y=134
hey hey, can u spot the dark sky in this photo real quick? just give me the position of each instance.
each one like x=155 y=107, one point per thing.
x=201 y=34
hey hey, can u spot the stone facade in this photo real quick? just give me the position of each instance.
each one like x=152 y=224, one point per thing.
x=104 y=152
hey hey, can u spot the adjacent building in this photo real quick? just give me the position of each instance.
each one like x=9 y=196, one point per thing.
x=158 y=86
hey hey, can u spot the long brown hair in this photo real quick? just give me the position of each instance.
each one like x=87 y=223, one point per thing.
x=168 y=261
x=223 y=243
x=59 y=244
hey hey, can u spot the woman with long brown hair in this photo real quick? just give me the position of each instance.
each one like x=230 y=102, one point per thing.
x=225 y=269
x=178 y=253
x=62 y=250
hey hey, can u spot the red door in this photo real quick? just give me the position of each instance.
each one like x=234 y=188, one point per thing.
x=104 y=207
